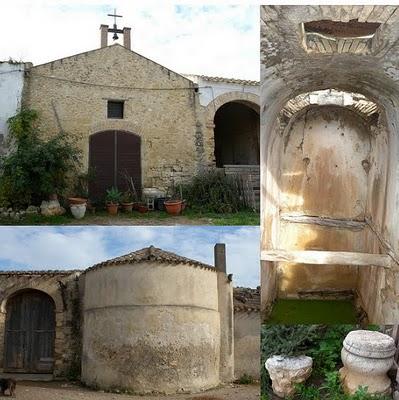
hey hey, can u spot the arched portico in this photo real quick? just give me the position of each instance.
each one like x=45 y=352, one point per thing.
x=232 y=129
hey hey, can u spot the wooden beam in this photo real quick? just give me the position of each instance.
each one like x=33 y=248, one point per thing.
x=384 y=243
x=324 y=221
x=327 y=257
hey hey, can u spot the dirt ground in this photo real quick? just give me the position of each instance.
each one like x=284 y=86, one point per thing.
x=70 y=391
x=120 y=220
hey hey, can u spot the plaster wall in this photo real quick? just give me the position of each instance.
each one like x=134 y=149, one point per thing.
x=226 y=315
x=324 y=171
x=11 y=86
x=151 y=327
x=247 y=343
x=209 y=90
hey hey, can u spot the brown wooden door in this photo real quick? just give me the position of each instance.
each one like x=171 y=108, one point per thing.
x=30 y=333
x=112 y=155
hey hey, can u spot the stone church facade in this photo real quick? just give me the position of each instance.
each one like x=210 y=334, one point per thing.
x=132 y=116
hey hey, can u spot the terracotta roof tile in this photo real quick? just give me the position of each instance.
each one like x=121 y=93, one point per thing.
x=246 y=299
x=43 y=272
x=151 y=254
x=229 y=80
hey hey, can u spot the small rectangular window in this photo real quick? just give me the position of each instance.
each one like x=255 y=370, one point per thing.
x=115 y=109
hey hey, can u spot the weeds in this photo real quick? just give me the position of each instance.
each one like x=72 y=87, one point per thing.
x=213 y=191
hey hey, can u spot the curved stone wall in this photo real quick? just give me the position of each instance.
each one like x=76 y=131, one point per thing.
x=151 y=327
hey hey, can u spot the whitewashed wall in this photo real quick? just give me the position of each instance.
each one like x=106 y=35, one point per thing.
x=210 y=90
x=11 y=85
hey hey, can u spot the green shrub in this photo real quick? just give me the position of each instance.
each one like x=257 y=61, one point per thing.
x=113 y=196
x=246 y=379
x=213 y=191
x=326 y=353
x=331 y=389
x=34 y=167
x=321 y=342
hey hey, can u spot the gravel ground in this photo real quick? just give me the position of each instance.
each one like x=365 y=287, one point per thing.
x=70 y=391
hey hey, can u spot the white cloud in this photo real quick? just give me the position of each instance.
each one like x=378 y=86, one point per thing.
x=81 y=247
x=217 y=40
x=48 y=248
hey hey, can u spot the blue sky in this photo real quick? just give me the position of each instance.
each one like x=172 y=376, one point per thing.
x=23 y=248
x=215 y=39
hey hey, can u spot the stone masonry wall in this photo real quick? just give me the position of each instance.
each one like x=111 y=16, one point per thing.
x=63 y=288
x=160 y=107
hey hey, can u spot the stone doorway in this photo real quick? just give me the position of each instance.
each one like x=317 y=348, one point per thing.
x=236 y=135
x=29 y=333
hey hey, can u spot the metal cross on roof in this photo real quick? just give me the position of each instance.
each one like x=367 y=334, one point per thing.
x=115 y=29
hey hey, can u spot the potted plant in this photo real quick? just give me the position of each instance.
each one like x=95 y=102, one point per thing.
x=174 y=205
x=127 y=201
x=81 y=188
x=142 y=208
x=131 y=188
x=113 y=198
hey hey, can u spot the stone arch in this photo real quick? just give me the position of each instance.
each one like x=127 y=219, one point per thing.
x=30 y=328
x=284 y=78
x=249 y=100
x=11 y=292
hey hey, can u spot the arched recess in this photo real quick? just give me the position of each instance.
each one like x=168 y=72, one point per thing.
x=232 y=120
x=114 y=157
x=236 y=135
x=382 y=188
x=30 y=330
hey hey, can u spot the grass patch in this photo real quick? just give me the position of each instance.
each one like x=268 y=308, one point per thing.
x=134 y=218
x=38 y=220
x=245 y=379
x=237 y=218
x=313 y=312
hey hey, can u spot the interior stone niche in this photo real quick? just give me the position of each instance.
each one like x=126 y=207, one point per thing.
x=324 y=172
x=330 y=166
x=288 y=71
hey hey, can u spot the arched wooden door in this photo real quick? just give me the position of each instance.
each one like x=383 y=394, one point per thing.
x=30 y=333
x=113 y=155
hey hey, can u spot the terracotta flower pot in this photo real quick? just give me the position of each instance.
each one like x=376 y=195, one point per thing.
x=112 y=208
x=173 y=207
x=127 y=207
x=136 y=205
x=142 y=208
x=76 y=200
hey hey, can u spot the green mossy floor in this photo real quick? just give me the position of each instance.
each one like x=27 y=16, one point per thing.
x=313 y=312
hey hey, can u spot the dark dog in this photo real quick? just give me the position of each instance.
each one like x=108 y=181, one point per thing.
x=7 y=384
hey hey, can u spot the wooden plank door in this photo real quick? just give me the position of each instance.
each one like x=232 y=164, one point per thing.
x=112 y=155
x=30 y=333
x=102 y=162
x=128 y=150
